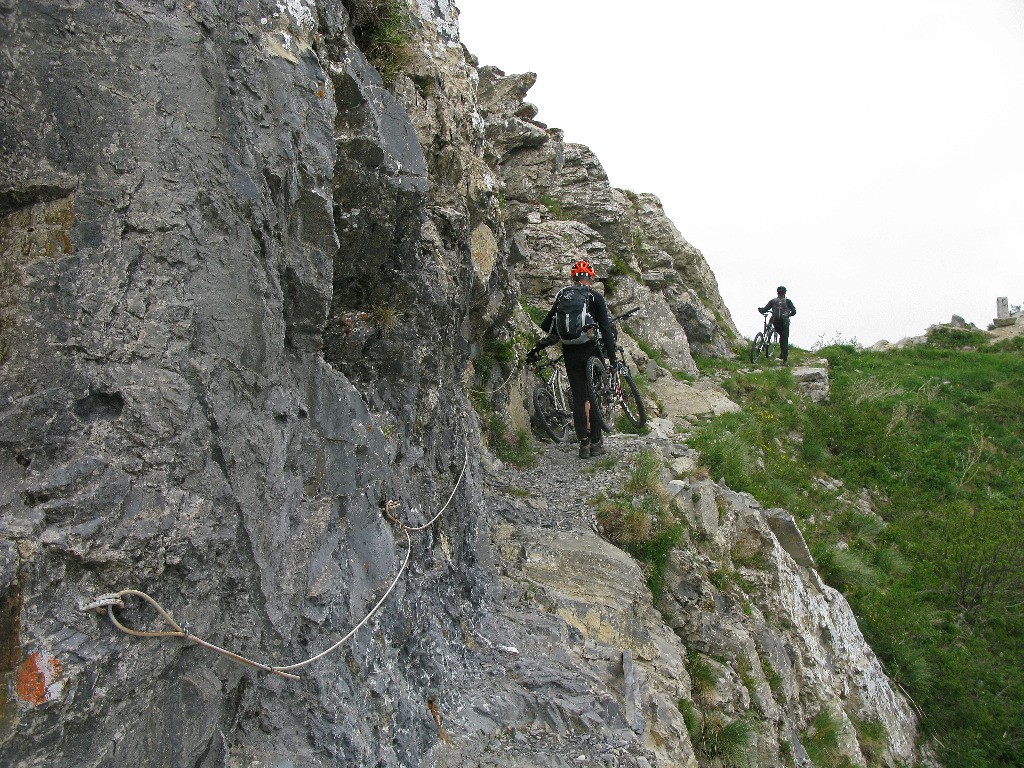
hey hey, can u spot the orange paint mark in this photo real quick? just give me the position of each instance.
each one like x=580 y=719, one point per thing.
x=38 y=679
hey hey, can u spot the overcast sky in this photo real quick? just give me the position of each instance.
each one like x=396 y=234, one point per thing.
x=869 y=155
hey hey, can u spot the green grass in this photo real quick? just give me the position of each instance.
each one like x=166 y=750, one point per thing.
x=554 y=207
x=536 y=314
x=637 y=518
x=703 y=677
x=821 y=741
x=497 y=355
x=936 y=578
x=380 y=30
x=730 y=743
x=956 y=338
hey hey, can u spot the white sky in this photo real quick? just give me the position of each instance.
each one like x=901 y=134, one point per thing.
x=869 y=155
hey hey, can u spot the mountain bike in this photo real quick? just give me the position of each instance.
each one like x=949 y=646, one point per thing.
x=552 y=402
x=764 y=341
x=612 y=385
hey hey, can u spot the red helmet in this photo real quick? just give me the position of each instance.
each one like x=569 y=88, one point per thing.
x=581 y=268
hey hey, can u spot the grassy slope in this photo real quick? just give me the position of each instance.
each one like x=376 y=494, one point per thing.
x=936 y=436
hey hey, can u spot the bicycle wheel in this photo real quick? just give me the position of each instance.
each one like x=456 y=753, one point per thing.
x=630 y=401
x=755 y=348
x=597 y=391
x=552 y=422
x=769 y=344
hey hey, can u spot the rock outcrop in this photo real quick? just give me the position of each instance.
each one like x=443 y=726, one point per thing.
x=247 y=291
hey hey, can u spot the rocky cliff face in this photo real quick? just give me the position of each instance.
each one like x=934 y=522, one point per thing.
x=243 y=282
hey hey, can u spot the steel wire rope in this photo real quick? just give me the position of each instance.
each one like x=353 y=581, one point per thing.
x=515 y=369
x=113 y=600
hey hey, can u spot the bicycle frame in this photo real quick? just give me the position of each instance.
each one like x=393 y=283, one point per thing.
x=554 y=414
x=556 y=383
x=763 y=341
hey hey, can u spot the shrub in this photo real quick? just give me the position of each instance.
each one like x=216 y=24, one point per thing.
x=703 y=677
x=379 y=27
x=732 y=743
x=638 y=520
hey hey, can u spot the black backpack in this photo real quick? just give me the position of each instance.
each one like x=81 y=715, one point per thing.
x=572 y=315
x=780 y=311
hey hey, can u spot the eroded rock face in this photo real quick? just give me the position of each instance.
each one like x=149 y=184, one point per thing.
x=237 y=319
x=746 y=591
x=241 y=285
x=559 y=202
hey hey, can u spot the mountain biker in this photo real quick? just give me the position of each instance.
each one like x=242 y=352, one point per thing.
x=782 y=309
x=579 y=349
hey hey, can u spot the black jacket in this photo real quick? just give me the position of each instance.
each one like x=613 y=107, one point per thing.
x=771 y=305
x=598 y=309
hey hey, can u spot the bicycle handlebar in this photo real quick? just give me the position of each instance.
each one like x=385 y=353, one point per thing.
x=626 y=314
x=546 y=362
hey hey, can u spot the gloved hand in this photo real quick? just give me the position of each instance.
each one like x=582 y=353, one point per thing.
x=532 y=356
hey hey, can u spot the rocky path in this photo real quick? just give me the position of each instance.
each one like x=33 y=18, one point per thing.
x=557 y=491
x=570 y=638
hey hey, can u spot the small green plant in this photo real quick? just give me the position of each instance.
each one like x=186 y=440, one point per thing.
x=786 y=752
x=745 y=670
x=821 y=740
x=379 y=28
x=624 y=525
x=515 y=449
x=873 y=740
x=638 y=519
x=646 y=475
x=654 y=354
x=732 y=743
x=703 y=677
x=554 y=207
x=621 y=268
x=427 y=85
x=720 y=579
x=685 y=707
x=536 y=314
x=624 y=426
x=774 y=679
x=847 y=569
x=386 y=319
x=636 y=238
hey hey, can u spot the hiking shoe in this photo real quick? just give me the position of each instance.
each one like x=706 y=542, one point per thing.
x=596 y=449
x=584 y=450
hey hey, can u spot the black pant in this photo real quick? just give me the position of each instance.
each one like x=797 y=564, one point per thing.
x=576 y=357
x=782 y=329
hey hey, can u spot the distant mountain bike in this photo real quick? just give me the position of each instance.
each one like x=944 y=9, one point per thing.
x=552 y=402
x=611 y=386
x=764 y=341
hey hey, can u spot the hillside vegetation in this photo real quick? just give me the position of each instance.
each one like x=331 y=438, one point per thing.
x=908 y=484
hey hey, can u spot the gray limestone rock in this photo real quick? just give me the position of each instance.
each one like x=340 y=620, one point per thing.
x=788 y=534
